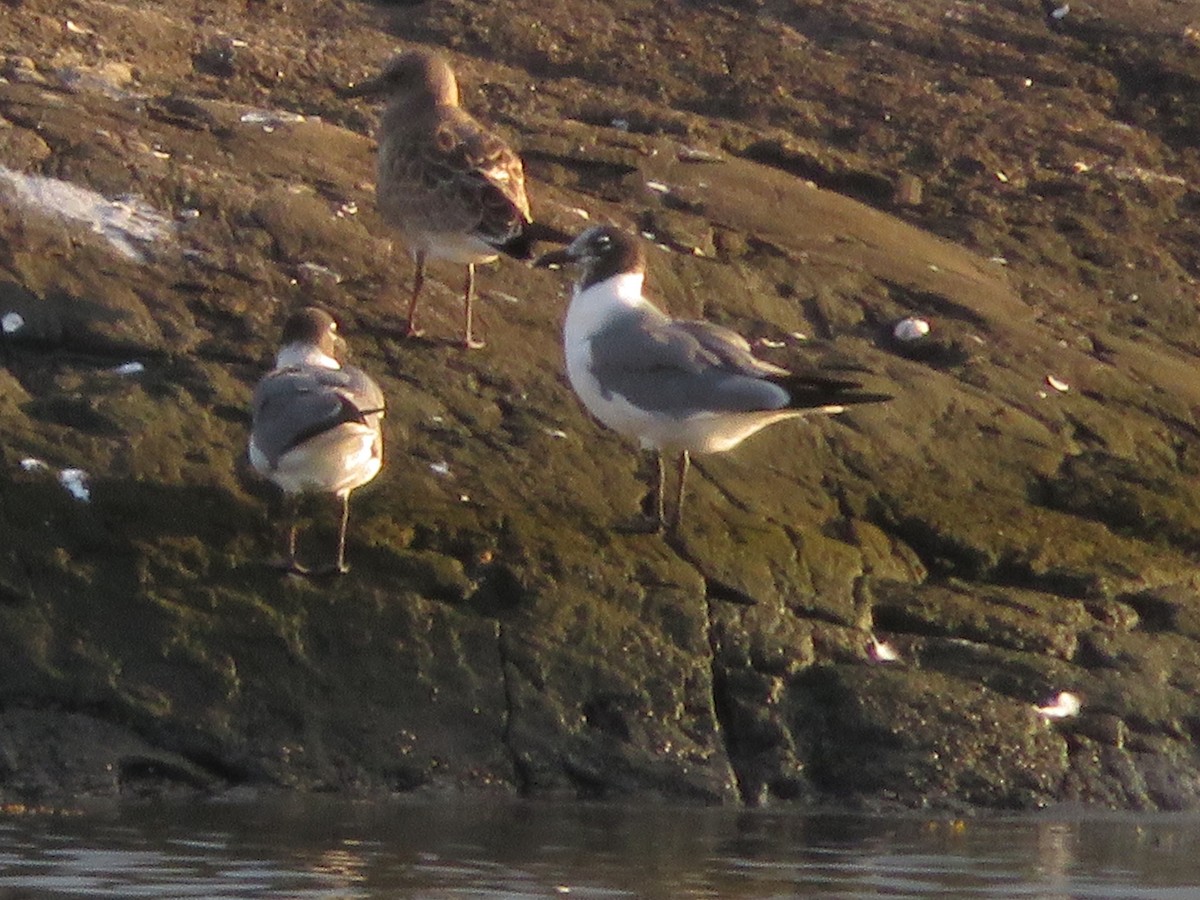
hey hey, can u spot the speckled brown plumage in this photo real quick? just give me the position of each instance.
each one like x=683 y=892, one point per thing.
x=452 y=188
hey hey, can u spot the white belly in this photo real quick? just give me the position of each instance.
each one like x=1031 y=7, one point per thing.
x=453 y=247
x=334 y=462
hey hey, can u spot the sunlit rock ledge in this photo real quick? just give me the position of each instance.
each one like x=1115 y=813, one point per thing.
x=880 y=609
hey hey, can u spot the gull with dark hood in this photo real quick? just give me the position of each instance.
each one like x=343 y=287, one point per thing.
x=676 y=386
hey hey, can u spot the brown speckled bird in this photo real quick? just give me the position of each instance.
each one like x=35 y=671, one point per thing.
x=452 y=188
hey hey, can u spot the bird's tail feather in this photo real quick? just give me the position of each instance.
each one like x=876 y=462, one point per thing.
x=820 y=392
x=521 y=246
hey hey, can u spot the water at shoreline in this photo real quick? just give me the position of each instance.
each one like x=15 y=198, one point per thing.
x=321 y=848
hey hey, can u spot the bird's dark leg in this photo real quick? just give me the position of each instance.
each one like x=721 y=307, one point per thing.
x=411 y=330
x=682 y=466
x=660 y=483
x=468 y=300
x=341 y=550
x=339 y=566
x=290 y=512
x=650 y=522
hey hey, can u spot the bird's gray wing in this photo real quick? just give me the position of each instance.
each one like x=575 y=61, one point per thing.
x=727 y=346
x=681 y=368
x=294 y=404
x=360 y=389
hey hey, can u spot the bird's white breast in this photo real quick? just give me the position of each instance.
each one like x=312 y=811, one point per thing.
x=591 y=311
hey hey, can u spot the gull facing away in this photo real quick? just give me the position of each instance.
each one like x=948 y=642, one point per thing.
x=316 y=426
x=674 y=385
x=447 y=184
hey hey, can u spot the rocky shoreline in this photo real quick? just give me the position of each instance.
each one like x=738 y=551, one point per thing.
x=1022 y=519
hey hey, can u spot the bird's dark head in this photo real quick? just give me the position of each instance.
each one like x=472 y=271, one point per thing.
x=313 y=328
x=601 y=252
x=412 y=76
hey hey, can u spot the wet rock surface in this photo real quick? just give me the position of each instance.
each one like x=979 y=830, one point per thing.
x=1022 y=519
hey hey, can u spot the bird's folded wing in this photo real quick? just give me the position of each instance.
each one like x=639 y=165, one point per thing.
x=293 y=405
x=681 y=368
x=476 y=170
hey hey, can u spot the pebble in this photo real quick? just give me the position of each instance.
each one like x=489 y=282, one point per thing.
x=910 y=329
x=12 y=322
x=882 y=651
x=75 y=481
x=1064 y=706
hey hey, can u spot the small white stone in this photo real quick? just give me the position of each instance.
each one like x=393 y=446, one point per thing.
x=75 y=481
x=33 y=464
x=556 y=433
x=12 y=322
x=881 y=651
x=658 y=187
x=129 y=368
x=1064 y=706
x=440 y=468
x=910 y=329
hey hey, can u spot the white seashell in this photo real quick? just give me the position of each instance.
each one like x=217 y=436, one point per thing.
x=1064 y=706
x=33 y=464
x=556 y=433
x=75 y=481
x=12 y=322
x=658 y=187
x=271 y=117
x=1058 y=384
x=910 y=329
x=881 y=651
x=129 y=368
x=694 y=154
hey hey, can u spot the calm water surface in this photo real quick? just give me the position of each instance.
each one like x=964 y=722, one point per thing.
x=336 y=849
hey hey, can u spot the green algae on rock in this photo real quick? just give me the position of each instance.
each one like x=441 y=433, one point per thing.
x=1008 y=540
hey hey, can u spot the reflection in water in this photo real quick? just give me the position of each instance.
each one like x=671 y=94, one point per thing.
x=340 y=850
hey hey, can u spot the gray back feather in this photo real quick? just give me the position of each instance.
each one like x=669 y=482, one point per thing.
x=294 y=404
x=681 y=367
